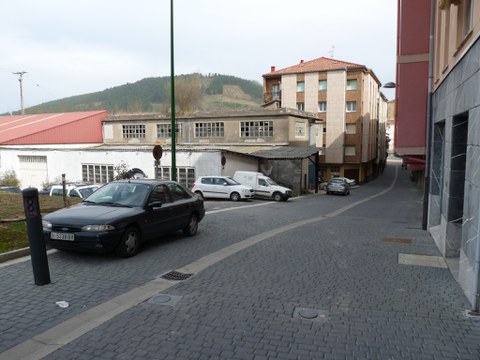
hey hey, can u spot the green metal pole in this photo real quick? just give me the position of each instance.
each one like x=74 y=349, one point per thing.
x=172 y=96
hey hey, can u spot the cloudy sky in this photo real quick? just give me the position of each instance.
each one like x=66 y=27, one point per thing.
x=76 y=47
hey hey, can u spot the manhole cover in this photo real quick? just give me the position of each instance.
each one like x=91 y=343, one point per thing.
x=311 y=314
x=308 y=313
x=164 y=299
x=160 y=299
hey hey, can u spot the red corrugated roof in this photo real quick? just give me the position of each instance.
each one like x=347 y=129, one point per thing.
x=316 y=65
x=61 y=128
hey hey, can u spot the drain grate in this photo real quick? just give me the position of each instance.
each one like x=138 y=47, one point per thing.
x=175 y=276
x=397 y=240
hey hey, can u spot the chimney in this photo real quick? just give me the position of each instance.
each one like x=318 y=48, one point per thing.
x=272 y=68
x=301 y=62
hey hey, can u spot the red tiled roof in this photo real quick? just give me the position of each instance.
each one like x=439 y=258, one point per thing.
x=316 y=65
x=59 y=128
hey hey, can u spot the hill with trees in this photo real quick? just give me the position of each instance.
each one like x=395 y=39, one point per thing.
x=193 y=92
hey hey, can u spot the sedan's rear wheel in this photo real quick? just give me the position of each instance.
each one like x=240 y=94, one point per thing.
x=199 y=194
x=234 y=196
x=129 y=243
x=191 y=228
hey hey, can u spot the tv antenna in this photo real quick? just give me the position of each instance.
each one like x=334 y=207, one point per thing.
x=332 y=51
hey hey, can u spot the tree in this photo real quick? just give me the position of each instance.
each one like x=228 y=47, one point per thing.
x=188 y=93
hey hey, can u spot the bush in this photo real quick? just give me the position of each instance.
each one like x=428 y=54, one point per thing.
x=9 y=178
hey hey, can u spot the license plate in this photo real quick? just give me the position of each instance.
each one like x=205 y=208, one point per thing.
x=62 y=236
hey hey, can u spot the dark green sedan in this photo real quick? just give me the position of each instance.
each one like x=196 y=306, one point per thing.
x=122 y=214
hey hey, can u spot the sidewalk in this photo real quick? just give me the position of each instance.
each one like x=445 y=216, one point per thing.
x=358 y=280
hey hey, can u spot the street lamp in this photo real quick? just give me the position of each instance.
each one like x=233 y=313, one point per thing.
x=390 y=85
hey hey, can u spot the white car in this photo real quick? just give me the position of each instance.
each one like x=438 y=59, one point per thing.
x=80 y=191
x=221 y=187
x=350 y=182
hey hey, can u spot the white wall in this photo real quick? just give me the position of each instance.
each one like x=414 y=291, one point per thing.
x=69 y=162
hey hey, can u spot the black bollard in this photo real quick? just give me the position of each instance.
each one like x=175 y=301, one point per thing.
x=38 y=250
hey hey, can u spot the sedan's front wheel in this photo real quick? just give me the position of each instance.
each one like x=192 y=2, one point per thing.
x=129 y=244
x=191 y=228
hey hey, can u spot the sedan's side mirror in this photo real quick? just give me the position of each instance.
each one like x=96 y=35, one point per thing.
x=154 y=204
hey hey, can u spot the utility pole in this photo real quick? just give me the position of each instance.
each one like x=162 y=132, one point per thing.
x=172 y=96
x=20 y=80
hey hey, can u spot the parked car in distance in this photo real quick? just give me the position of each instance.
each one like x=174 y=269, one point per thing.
x=221 y=187
x=81 y=191
x=350 y=182
x=123 y=214
x=263 y=185
x=10 y=189
x=337 y=186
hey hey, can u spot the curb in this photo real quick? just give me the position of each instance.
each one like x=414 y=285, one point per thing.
x=10 y=255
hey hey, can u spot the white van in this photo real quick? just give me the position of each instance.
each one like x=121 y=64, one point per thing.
x=263 y=185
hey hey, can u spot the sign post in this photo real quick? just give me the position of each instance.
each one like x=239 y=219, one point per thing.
x=157 y=154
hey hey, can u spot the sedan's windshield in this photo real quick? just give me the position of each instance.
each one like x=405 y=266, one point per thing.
x=128 y=194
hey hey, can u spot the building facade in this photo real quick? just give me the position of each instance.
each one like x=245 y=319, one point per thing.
x=448 y=110
x=347 y=99
x=454 y=204
x=411 y=93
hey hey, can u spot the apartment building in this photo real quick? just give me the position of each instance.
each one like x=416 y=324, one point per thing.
x=347 y=99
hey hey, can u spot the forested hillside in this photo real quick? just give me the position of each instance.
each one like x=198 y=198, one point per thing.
x=193 y=92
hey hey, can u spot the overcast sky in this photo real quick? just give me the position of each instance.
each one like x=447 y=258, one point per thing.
x=76 y=47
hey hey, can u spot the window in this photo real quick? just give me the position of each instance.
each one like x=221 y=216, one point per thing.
x=32 y=159
x=300 y=129
x=276 y=92
x=98 y=174
x=178 y=193
x=349 y=150
x=464 y=20
x=351 y=106
x=185 y=175
x=300 y=86
x=256 y=128
x=352 y=84
x=335 y=171
x=301 y=106
x=165 y=130
x=210 y=129
x=322 y=106
x=133 y=131
x=322 y=85
x=351 y=129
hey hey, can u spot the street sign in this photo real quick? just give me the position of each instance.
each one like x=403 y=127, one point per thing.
x=157 y=152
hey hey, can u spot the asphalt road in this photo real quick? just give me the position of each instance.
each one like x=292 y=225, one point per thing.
x=316 y=277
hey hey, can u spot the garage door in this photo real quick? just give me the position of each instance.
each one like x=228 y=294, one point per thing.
x=32 y=171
